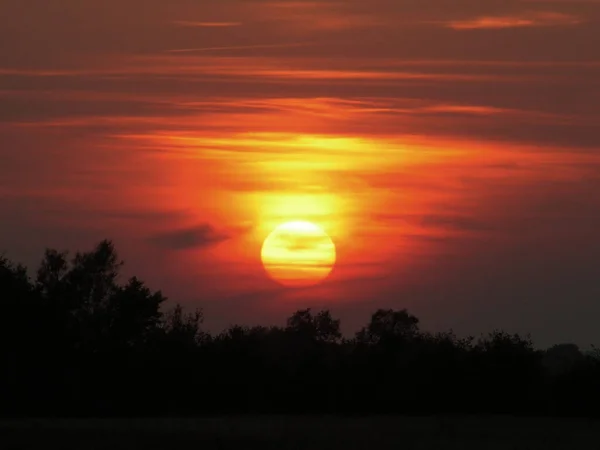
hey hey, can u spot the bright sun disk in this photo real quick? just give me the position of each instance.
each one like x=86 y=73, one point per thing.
x=298 y=253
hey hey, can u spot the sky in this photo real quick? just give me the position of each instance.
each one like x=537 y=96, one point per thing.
x=449 y=149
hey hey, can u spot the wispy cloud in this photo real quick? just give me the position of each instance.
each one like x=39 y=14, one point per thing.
x=239 y=47
x=283 y=69
x=311 y=16
x=529 y=19
x=201 y=236
x=193 y=24
x=455 y=222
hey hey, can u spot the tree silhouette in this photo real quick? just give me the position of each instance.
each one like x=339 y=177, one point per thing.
x=133 y=313
x=320 y=327
x=76 y=340
x=51 y=272
x=184 y=329
x=562 y=358
x=387 y=324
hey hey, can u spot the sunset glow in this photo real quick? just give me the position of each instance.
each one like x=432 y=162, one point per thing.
x=447 y=153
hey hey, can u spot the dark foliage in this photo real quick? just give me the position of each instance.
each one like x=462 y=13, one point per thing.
x=77 y=342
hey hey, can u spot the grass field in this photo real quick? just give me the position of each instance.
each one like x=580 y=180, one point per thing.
x=311 y=433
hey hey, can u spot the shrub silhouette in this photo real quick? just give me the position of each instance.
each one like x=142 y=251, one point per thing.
x=77 y=341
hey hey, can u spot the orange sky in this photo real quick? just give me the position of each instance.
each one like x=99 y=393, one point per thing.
x=450 y=149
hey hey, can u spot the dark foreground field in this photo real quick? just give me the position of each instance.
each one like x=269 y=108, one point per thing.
x=312 y=433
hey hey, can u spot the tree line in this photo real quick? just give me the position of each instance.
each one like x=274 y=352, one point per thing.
x=75 y=341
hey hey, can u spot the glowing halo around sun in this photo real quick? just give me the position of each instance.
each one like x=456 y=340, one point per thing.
x=298 y=253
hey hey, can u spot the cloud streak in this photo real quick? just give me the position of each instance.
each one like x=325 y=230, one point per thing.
x=524 y=20
x=197 y=237
x=238 y=47
x=192 y=24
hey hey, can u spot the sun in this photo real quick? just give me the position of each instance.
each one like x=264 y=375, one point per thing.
x=298 y=253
